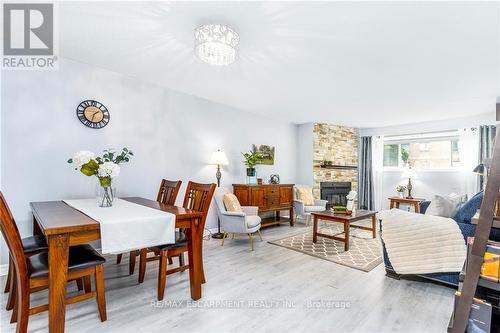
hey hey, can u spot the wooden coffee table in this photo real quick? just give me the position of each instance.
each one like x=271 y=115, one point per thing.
x=347 y=220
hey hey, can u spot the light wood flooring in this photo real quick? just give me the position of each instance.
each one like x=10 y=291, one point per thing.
x=274 y=289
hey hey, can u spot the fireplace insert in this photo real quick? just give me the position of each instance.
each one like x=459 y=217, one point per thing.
x=335 y=192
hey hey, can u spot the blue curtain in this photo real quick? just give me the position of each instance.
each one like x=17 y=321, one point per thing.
x=365 y=174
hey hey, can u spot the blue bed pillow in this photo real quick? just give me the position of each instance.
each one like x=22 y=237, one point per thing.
x=423 y=206
x=469 y=209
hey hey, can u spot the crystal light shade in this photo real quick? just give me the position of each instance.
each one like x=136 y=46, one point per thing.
x=216 y=44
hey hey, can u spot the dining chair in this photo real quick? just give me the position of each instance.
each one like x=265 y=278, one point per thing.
x=31 y=245
x=31 y=273
x=167 y=194
x=198 y=197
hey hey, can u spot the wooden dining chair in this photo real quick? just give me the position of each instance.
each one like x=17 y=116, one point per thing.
x=198 y=198
x=167 y=194
x=31 y=273
x=31 y=246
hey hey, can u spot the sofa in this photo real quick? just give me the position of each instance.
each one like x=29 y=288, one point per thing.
x=463 y=218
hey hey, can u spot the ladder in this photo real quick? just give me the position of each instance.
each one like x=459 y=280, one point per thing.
x=476 y=257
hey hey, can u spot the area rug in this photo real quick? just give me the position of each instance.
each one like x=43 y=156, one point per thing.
x=365 y=252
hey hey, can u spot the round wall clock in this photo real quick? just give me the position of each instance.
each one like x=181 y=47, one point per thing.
x=92 y=114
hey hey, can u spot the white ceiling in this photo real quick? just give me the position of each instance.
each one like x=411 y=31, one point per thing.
x=363 y=64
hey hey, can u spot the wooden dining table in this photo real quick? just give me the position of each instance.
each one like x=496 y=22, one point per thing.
x=64 y=226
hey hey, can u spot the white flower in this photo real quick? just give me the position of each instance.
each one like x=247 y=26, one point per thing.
x=110 y=169
x=82 y=157
x=352 y=195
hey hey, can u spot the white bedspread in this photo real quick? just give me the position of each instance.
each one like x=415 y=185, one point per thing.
x=128 y=226
x=420 y=244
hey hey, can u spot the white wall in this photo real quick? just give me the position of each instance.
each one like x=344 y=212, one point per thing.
x=172 y=135
x=305 y=154
x=428 y=183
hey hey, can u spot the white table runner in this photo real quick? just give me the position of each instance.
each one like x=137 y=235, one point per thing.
x=127 y=226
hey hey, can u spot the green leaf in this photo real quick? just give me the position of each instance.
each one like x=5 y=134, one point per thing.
x=90 y=168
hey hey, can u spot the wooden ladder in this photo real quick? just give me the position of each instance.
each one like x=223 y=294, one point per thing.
x=476 y=256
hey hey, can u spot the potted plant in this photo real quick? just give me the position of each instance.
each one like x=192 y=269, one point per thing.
x=250 y=161
x=401 y=190
x=104 y=167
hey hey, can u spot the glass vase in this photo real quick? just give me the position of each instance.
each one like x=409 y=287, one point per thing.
x=105 y=195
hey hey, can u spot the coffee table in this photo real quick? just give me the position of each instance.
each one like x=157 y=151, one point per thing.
x=347 y=220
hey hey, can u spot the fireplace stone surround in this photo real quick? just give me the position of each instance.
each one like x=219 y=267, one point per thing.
x=338 y=144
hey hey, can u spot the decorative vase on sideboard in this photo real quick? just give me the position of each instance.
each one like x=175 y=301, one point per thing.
x=251 y=176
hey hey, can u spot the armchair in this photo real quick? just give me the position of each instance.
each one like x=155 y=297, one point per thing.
x=245 y=222
x=304 y=211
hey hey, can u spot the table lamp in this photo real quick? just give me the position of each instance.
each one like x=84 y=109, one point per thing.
x=482 y=170
x=409 y=173
x=218 y=158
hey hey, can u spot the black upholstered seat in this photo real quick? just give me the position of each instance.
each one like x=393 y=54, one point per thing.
x=180 y=241
x=34 y=244
x=80 y=256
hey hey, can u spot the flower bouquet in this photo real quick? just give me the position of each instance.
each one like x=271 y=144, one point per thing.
x=401 y=190
x=105 y=168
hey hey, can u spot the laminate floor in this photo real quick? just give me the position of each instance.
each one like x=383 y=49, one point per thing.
x=272 y=289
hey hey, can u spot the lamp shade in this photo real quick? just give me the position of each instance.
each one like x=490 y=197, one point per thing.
x=218 y=158
x=409 y=173
x=479 y=169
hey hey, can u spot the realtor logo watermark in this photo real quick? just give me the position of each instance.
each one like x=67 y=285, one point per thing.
x=29 y=39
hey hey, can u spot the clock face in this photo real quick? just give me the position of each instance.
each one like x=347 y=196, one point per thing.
x=92 y=114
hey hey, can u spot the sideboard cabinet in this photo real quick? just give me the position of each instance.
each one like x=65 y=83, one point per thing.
x=269 y=198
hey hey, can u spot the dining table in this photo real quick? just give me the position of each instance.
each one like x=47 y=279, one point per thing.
x=64 y=226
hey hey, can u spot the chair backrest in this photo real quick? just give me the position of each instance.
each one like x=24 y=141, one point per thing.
x=12 y=237
x=219 y=198
x=297 y=186
x=198 y=197
x=168 y=191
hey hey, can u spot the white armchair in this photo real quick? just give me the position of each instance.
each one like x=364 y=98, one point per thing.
x=304 y=211
x=246 y=222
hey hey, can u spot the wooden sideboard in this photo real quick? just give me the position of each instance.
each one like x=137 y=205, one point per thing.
x=269 y=198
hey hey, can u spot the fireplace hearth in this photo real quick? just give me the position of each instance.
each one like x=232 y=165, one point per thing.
x=335 y=192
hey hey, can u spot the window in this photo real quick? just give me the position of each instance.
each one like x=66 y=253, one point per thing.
x=424 y=152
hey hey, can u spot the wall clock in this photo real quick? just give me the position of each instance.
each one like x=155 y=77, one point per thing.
x=92 y=114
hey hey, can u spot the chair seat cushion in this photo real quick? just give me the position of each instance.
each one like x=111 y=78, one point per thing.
x=80 y=257
x=180 y=241
x=314 y=208
x=252 y=221
x=34 y=244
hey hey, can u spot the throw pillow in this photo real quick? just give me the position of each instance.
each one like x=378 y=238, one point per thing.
x=231 y=203
x=469 y=209
x=306 y=195
x=445 y=206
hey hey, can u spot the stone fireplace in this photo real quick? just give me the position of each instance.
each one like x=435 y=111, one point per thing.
x=339 y=146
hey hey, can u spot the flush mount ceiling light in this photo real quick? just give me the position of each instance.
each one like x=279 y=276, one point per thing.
x=216 y=44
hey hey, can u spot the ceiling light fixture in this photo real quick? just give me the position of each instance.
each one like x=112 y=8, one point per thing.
x=216 y=44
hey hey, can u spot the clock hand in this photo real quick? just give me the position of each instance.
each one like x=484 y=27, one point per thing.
x=93 y=115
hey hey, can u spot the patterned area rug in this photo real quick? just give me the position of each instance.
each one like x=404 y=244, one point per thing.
x=365 y=252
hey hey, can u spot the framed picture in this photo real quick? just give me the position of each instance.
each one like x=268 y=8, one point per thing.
x=266 y=154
